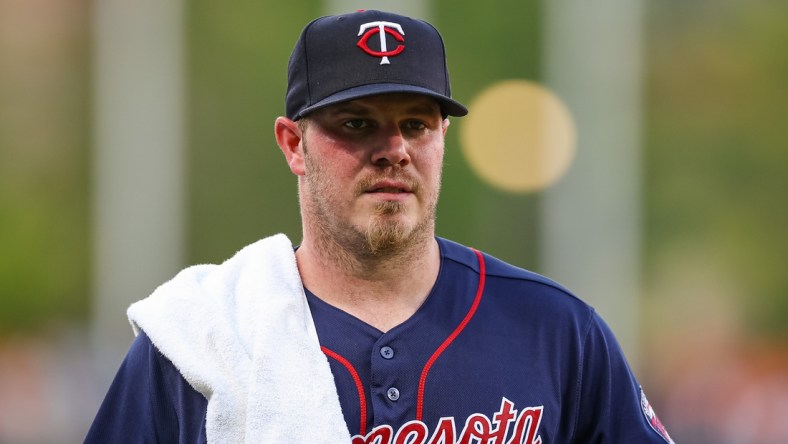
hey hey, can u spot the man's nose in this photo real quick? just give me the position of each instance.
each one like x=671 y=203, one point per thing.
x=392 y=149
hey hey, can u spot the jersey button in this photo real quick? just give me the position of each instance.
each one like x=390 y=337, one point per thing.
x=387 y=352
x=393 y=394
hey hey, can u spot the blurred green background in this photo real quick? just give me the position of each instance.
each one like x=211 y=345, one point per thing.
x=714 y=286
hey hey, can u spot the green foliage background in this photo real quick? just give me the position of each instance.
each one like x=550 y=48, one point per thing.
x=715 y=163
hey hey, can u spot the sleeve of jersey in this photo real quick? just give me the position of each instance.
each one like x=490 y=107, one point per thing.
x=609 y=409
x=149 y=401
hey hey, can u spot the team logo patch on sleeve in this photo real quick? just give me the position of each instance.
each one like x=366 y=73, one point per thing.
x=652 y=418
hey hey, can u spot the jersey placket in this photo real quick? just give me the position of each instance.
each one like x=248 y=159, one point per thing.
x=392 y=386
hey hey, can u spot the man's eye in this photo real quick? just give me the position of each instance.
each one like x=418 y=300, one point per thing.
x=356 y=124
x=415 y=125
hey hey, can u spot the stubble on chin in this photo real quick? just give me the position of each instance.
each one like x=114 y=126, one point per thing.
x=385 y=236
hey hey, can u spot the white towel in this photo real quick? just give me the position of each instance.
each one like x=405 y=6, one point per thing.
x=241 y=333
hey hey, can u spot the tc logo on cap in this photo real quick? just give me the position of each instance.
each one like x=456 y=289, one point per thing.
x=381 y=28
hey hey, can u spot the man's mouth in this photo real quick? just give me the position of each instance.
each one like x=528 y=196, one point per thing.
x=389 y=187
x=388 y=190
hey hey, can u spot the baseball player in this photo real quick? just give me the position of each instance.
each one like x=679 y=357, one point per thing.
x=372 y=329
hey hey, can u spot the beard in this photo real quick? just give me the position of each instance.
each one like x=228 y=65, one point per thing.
x=384 y=234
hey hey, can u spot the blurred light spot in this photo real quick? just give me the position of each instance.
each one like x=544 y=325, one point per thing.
x=518 y=136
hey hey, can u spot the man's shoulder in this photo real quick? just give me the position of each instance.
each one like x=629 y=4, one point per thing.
x=493 y=266
x=504 y=275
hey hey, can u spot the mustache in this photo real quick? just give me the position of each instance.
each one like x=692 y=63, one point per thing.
x=367 y=182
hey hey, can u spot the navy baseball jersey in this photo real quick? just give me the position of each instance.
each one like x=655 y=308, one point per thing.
x=495 y=354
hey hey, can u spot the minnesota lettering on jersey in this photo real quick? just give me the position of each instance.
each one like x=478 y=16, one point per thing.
x=505 y=427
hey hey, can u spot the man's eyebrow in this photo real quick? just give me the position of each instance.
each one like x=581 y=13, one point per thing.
x=349 y=108
x=423 y=108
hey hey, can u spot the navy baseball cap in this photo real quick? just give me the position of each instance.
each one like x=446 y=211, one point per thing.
x=345 y=57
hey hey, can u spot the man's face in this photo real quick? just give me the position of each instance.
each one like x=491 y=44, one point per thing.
x=372 y=171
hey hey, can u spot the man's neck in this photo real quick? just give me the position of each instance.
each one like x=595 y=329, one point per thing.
x=382 y=291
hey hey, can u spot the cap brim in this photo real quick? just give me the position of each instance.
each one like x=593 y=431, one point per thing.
x=448 y=105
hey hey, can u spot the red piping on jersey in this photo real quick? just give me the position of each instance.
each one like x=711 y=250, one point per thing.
x=452 y=336
x=362 y=400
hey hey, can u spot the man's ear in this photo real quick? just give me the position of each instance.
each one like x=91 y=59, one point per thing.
x=289 y=138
